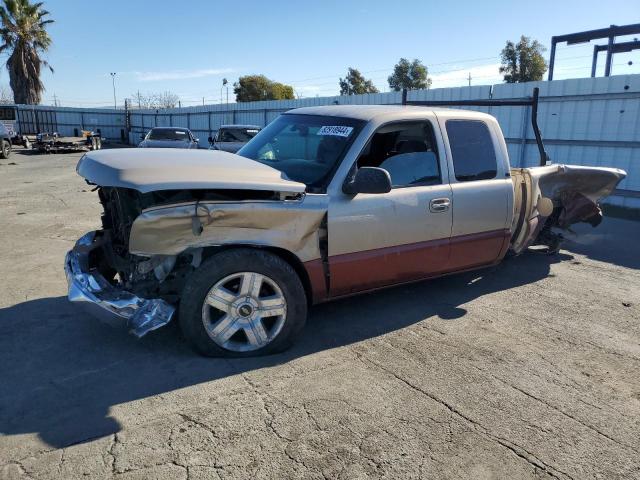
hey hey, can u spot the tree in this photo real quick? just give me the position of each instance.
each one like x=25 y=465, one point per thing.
x=355 y=84
x=523 y=62
x=164 y=99
x=167 y=99
x=24 y=34
x=6 y=95
x=252 y=88
x=410 y=75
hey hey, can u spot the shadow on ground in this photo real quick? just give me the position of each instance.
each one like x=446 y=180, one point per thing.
x=62 y=371
x=614 y=241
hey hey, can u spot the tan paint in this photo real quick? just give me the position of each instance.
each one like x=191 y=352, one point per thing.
x=290 y=225
x=480 y=205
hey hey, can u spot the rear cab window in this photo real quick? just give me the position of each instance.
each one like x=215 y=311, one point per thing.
x=472 y=150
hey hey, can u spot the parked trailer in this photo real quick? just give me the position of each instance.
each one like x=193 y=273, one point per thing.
x=53 y=143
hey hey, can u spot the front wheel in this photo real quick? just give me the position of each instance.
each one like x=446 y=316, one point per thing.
x=5 y=150
x=243 y=302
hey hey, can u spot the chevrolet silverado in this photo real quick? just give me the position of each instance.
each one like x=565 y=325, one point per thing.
x=323 y=203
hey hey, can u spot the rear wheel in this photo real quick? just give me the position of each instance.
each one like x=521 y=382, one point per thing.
x=243 y=302
x=5 y=150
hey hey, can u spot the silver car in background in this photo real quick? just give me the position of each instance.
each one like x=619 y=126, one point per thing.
x=169 y=137
x=231 y=138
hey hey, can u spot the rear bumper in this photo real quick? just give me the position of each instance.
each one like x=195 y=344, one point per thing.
x=115 y=306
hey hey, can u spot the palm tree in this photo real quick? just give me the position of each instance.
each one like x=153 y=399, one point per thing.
x=24 y=34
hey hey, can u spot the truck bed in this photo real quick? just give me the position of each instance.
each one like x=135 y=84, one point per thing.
x=557 y=196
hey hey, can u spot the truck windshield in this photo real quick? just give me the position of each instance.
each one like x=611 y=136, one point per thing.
x=167 y=134
x=306 y=148
x=237 y=135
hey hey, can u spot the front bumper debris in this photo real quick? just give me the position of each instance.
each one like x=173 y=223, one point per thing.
x=107 y=302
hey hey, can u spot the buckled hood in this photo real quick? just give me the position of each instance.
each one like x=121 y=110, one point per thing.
x=150 y=169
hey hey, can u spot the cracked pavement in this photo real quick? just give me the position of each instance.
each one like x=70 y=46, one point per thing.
x=526 y=370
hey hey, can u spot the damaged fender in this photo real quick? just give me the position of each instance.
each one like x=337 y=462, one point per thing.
x=292 y=225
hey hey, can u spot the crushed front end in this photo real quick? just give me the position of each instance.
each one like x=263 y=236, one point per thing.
x=116 y=286
x=87 y=285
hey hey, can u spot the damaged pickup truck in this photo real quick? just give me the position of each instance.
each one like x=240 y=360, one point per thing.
x=323 y=203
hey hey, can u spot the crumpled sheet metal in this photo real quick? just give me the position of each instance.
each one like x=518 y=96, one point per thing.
x=593 y=183
x=290 y=225
x=110 y=304
x=578 y=208
x=575 y=188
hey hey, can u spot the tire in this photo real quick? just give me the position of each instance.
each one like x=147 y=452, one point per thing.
x=216 y=295
x=5 y=151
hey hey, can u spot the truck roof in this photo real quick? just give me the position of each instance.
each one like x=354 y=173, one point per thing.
x=380 y=112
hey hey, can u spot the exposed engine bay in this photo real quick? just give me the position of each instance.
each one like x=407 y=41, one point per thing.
x=158 y=275
x=162 y=274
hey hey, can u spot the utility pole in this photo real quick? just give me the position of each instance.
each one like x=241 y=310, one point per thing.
x=55 y=100
x=469 y=78
x=139 y=106
x=113 y=80
x=203 y=101
x=224 y=83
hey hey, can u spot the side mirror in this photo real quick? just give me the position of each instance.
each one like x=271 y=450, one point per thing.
x=197 y=140
x=210 y=139
x=368 y=180
x=142 y=136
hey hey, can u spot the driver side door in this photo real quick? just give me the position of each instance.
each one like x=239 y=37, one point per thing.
x=376 y=240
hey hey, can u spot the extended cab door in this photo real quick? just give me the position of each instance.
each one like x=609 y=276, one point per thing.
x=481 y=189
x=382 y=239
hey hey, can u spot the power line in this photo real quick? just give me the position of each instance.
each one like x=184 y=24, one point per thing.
x=299 y=85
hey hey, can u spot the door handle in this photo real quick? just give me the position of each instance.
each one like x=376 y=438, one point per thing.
x=439 y=205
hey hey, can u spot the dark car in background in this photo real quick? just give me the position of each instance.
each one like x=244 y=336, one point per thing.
x=231 y=138
x=169 y=137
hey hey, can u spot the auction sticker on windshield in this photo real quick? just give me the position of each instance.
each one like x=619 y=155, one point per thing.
x=336 y=130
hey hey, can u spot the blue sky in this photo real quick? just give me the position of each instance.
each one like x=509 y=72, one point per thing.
x=188 y=47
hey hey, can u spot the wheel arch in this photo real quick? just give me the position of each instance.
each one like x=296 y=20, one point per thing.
x=289 y=257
